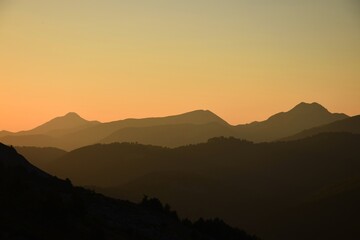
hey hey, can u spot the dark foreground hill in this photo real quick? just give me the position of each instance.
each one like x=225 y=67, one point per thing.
x=35 y=205
x=280 y=190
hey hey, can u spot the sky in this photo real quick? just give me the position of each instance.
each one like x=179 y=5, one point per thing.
x=113 y=59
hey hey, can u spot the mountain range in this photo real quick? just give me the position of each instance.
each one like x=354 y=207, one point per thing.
x=71 y=131
x=302 y=116
x=274 y=190
x=292 y=176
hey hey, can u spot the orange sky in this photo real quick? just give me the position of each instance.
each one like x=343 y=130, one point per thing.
x=110 y=59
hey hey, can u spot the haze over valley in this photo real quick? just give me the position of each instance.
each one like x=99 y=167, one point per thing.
x=71 y=131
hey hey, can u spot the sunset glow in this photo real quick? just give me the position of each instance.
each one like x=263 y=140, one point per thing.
x=109 y=60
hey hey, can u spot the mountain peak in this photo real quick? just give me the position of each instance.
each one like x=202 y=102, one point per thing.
x=201 y=111
x=70 y=120
x=314 y=106
x=202 y=116
x=72 y=115
x=302 y=116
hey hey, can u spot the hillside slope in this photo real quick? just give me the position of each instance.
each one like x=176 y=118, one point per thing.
x=35 y=205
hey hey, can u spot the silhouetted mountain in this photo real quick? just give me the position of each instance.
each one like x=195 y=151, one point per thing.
x=35 y=205
x=350 y=125
x=61 y=125
x=98 y=133
x=71 y=131
x=171 y=135
x=48 y=134
x=256 y=186
x=301 y=117
x=149 y=131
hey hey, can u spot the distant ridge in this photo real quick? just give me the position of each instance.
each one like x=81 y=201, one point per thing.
x=303 y=106
x=195 y=117
x=67 y=122
x=301 y=117
x=71 y=131
x=99 y=132
x=56 y=127
x=350 y=125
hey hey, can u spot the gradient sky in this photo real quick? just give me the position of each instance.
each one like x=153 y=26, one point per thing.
x=113 y=59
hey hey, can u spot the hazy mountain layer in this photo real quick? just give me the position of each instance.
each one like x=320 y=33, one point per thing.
x=351 y=125
x=61 y=136
x=71 y=131
x=61 y=125
x=262 y=187
x=175 y=135
x=98 y=133
x=302 y=116
x=35 y=205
